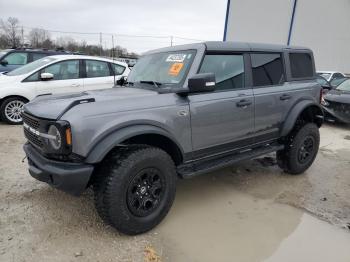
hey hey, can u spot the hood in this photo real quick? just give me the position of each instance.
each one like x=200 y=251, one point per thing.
x=4 y=80
x=54 y=106
x=338 y=96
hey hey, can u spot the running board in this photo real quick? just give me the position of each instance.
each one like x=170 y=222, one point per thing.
x=205 y=166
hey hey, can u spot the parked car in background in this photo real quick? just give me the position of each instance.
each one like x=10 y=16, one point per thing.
x=337 y=81
x=336 y=103
x=4 y=51
x=55 y=75
x=331 y=75
x=326 y=86
x=11 y=59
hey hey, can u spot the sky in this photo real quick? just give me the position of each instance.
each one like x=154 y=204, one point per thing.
x=194 y=19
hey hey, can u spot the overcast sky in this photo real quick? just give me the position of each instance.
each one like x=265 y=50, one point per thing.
x=197 y=19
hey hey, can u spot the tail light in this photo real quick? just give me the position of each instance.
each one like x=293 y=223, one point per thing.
x=322 y=100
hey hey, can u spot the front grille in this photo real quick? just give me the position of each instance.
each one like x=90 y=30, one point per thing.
x=33 y=139
x=33 y=123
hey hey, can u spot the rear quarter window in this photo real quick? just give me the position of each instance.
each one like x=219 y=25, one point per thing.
x=301 y=65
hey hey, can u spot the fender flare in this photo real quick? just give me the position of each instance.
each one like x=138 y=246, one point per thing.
x=295 y=112
x=115 y=138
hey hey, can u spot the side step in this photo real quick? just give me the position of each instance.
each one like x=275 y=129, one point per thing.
x=204 y=166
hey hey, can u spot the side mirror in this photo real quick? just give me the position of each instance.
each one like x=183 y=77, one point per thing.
x=202 y=83
x=46 y=76
x=4 y=62
x=121 y=81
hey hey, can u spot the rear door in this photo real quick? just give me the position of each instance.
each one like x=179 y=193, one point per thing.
x=273 y=97
x=222 y=120
x=66 y=78
x=98 y=75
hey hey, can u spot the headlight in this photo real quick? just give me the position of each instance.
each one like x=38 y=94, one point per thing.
x=55 y=142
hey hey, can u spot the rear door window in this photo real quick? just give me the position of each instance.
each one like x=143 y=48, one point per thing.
x=37 y=56
x=96 y=68
x=301 y=65
x=267 y=69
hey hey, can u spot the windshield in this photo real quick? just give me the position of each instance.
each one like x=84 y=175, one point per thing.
x=322 y=81
x=345 y=86
x=28 y=68
x=159 y=69
x=337 y=81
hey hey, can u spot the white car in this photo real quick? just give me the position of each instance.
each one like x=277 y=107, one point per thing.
x=331 y=75
x=55 y=75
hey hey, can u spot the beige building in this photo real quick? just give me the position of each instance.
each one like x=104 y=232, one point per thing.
x=322 y=25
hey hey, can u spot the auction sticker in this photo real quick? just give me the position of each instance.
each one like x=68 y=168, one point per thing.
x=175 y=69
x=178 y=58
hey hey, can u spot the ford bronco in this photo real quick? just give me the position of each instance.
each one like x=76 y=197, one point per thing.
x=183 y=111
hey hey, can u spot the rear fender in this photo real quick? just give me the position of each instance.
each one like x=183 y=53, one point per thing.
x=297 y=111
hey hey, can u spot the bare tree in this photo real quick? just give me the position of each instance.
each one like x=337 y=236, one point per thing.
x=38 y=37
x=11 y=31
x=3 y=41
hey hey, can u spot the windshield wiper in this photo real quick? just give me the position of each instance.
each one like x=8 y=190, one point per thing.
x=156 y=84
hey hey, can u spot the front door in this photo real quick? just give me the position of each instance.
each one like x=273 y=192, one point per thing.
x=66 y=78
x=224 y=119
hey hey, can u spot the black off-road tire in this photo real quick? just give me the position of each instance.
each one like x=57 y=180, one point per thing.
x=117 y=174
x=291 y=158
x=12 y=101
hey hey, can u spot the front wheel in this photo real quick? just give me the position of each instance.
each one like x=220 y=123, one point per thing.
x=300 y=150
x=11 y=110
x=135 y=188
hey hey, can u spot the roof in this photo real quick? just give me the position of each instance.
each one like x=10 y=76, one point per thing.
x=227 y=45
x=68 y=56
x=328 y=72
x=39 y=50
x=230 y=46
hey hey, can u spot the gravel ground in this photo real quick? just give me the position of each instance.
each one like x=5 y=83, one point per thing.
x=38 y=223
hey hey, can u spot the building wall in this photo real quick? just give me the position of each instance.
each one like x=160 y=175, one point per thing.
x=322 y=25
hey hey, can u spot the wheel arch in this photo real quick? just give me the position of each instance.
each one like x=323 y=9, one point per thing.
x=304 y=110
x=137 y=134
x=13 y=96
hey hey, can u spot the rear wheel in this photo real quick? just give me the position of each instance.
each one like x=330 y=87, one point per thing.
x=135 y=188
x=300 y=150
x=11 y=110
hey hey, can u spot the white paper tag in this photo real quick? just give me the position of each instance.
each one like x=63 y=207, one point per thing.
x=176 y=58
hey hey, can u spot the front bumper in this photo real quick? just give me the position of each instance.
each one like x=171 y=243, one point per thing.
x=72 y=178
x=340 y=116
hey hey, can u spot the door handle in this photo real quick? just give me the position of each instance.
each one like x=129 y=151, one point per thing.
x=244 y=103
x=285 y=97
x=75 y=85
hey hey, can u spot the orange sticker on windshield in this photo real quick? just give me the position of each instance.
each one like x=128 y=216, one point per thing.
x=175 y=69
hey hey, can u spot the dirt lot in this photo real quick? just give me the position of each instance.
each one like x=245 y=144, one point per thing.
x=250 y=212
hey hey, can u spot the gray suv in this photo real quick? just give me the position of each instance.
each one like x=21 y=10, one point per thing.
x=182 y=112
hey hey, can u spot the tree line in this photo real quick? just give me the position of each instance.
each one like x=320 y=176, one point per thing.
x=12 y=36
